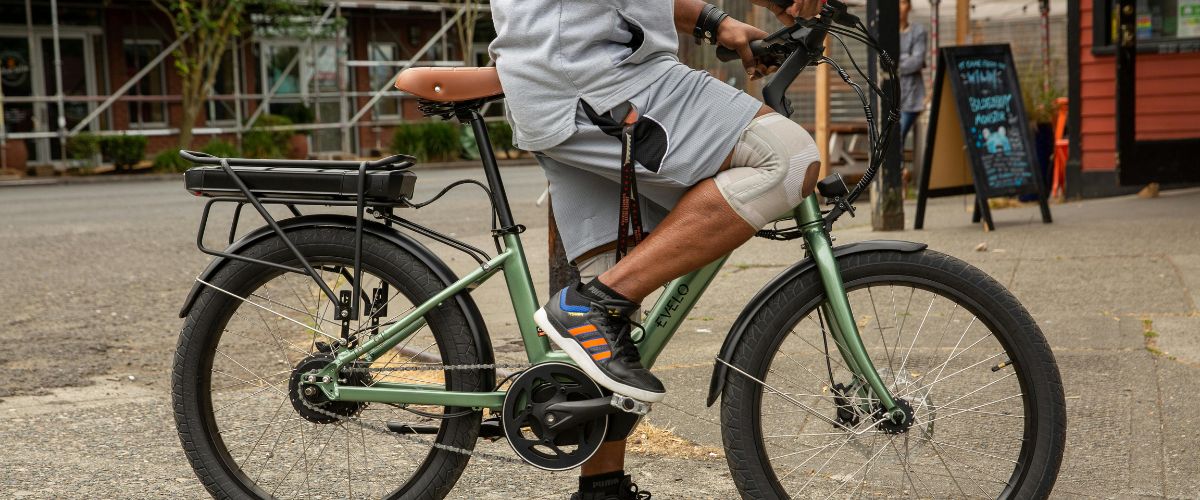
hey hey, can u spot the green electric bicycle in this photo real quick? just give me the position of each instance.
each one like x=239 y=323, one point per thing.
x=335 y=356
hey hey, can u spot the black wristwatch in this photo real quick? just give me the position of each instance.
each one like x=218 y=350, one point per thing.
x=706 y=25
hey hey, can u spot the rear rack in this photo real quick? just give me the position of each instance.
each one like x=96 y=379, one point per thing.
x=381 y=184
x=394 y=162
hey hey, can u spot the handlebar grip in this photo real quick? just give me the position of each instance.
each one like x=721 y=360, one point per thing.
x=758 y=47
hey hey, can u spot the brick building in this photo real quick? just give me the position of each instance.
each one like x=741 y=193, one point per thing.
x=350 y=53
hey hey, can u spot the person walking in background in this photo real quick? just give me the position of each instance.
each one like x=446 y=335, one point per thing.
x=914 y=40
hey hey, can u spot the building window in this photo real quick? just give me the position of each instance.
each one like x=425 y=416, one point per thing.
x=144 y=113
x=223 y=110
x=381 y=75
x=1160 y=23
x=276 y=59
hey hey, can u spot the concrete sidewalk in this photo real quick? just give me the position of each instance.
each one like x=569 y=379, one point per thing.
x=1113 y=283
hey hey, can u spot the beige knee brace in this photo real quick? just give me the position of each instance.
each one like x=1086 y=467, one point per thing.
x=773 y=164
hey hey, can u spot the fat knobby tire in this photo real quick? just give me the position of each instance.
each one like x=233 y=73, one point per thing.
x=740 y=405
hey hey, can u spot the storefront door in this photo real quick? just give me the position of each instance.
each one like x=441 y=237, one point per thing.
x=28 y=76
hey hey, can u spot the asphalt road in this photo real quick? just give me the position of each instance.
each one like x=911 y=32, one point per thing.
x=95 y=275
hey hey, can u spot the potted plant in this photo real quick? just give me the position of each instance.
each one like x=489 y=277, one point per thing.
x=15 y=155
x=1039 y=96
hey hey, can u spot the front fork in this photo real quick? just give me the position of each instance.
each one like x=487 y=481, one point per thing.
x=836 y=309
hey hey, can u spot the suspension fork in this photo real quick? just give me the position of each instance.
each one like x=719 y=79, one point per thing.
x=836 y=309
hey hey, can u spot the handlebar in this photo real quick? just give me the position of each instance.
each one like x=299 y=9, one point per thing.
x=760 y=49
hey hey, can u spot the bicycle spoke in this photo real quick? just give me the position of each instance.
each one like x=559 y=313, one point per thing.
x=882 y=338
x=852 y=474
x=260 y=306
x=938 y=362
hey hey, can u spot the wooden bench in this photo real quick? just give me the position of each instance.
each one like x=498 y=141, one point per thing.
x=845 y=155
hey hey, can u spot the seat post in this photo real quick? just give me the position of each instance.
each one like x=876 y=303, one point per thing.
x=490 y=168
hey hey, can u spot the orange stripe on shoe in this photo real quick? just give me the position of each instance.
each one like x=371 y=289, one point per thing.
x=580 y=330
x=602 y=355
x=592 y=343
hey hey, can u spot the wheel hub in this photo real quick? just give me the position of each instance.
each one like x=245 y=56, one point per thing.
x=310 y=401
x=889 y=422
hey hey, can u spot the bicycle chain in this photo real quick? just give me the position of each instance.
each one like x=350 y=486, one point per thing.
x=454 y=449
x=431 y=367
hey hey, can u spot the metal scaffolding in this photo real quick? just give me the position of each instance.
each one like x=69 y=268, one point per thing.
x=349 y=115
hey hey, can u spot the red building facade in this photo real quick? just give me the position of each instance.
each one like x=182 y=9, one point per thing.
x=1135 y=94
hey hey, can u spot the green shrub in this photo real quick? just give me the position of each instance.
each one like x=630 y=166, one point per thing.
x=500 y=134
x=261 y=143
x=297 y=113
x=428 y=141
x=123 y=150
x=407 y=140
x=169 y=161
x=84 y=147
x=220 y=149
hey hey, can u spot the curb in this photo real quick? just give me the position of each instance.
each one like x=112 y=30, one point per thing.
x=102 y=179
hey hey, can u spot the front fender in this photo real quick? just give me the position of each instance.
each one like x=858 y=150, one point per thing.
x=733 y=338
x=475 y=322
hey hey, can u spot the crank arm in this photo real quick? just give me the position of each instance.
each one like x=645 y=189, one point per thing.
x=568 y=414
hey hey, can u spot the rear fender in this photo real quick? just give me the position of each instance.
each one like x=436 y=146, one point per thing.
x=479 y=334
x=733 y=339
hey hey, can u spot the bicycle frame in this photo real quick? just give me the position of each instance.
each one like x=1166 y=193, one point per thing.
x=663 y=320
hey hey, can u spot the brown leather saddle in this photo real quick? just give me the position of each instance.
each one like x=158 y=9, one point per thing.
x=450 y=85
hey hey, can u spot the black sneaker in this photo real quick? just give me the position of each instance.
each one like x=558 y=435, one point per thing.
x=596 y=335
x=610 y=486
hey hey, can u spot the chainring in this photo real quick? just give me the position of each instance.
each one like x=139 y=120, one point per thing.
x=524 y=412
x=311 y=403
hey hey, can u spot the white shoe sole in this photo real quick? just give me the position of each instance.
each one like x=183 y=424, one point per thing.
x=584 y=361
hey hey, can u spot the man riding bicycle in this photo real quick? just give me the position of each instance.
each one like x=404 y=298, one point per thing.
x=713 y=165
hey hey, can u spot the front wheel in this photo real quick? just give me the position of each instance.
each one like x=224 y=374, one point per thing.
x=949 y=341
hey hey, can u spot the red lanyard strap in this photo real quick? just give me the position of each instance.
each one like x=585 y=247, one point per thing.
x=630 y=212
x=629 y=220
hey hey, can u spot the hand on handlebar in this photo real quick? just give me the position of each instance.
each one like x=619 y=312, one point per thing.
x=787 y=11
x=737 y=36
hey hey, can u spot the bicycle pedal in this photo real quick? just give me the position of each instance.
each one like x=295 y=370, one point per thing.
x=629 y=405
x=491 y=429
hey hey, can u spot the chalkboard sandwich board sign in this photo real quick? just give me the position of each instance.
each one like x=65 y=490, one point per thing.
x=978 y=138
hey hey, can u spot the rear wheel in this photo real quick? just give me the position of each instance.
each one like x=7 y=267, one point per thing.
x=950 y=342
x=248 y=429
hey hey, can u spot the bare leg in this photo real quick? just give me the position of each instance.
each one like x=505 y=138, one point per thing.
x=700 y=228
x=609 y=458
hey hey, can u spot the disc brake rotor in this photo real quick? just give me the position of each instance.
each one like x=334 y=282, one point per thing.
x=525 y=419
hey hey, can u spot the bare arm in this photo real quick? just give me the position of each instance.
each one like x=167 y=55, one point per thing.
x=687 y=12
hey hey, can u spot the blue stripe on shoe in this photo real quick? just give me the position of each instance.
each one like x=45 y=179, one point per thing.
x=562 y=303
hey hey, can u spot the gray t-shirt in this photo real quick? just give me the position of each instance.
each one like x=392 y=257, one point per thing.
x=552 y=53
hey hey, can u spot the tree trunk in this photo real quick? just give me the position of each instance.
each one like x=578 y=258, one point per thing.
x=187 y=121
